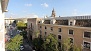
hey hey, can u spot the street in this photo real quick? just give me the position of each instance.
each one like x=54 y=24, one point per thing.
x=27 y=47
x=12 y=31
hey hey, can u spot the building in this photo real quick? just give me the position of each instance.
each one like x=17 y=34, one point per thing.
x=77 y=28
x=11 y=20
x=3 y=9
x=32 y=25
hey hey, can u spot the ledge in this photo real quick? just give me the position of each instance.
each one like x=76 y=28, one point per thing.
x=4 y=4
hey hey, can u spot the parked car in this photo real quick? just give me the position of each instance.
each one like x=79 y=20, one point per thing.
x=21 y=47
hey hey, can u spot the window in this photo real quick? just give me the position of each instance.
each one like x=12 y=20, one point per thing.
x=87 y=34
x=40 y=27
x=87 y=45
x=51 y=28
x=71 y=40
x=59 y=37
x=59 y=29
x=39 y=22
x=45 y=27
x=70 y=23
x=45 y=33
x=71 y=32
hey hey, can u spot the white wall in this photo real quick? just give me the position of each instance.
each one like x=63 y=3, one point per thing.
x=73 y=22
x=52 y=21
x=2 y=35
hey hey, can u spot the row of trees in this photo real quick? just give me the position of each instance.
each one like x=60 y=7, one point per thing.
x=50 y=43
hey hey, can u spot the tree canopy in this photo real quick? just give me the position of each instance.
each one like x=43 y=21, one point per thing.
x=50 y=43
x=68 y=46
x=14 y=43
x=21 y=24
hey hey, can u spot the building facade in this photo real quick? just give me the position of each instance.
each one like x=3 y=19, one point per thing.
x=32 y=27
x=77 y=28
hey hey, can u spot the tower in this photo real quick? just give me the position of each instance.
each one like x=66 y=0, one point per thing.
x=53 y=13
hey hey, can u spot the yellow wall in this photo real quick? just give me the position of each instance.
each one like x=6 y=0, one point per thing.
x=77 y=36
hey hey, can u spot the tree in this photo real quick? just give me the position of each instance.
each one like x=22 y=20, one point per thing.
x=36 y=34
x=24 y=33
x=50 y=43
x=21 y=25
x=15 y=21
x=37 y=42
x=68 y=46
x=75 y=48
x=14 y=43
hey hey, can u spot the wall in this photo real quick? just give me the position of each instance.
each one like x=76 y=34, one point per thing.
x=2 y=35
x=77 y=36
x=34 y=22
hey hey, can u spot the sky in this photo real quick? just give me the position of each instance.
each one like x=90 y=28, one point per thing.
x=41 y=8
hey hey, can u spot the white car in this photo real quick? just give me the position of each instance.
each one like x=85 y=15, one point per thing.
x=21 y=47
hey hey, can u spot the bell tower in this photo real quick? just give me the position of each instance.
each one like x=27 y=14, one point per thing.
x=53 y=13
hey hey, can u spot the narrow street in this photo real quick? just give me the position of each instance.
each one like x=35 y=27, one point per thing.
x=27 y=47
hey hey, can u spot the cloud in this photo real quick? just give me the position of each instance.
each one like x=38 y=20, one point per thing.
x=45 y=4
x=28 y=5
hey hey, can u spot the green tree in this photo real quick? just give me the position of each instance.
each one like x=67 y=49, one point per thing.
x=75 y=48
x=36 y=34
x=50 y=43
x=66 y=45
x=21 y=25
x=24 y=33
x=37 y=42
x=14 y=43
